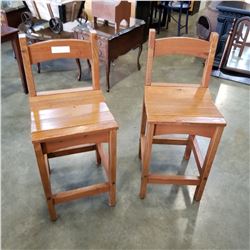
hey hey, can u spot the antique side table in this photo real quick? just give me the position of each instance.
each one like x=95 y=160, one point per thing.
x=11 y=34
x=114 y=44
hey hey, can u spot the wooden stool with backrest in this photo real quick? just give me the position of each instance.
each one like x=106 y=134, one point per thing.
x=70 y=121
x=170 y=108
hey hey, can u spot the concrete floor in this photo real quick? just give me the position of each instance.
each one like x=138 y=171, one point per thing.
x=167 y=218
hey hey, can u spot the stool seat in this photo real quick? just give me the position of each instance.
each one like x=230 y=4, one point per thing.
x=69 y=114
x=181 y=104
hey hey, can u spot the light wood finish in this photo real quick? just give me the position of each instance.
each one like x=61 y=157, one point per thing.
x=42 y=51
x=174 y=45
x=188 y=109
x=71 y=121
x=182 y=105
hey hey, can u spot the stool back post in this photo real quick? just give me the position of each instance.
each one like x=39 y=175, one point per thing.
x=151 y=51
x=27 y=65
x=95 y=61
x=210 y=60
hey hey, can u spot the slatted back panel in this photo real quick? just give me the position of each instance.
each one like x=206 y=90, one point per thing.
x=59 y=49
x=182 y=46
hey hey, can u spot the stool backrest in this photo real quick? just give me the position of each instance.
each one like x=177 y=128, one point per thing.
x=182 y=46
x=59 y=49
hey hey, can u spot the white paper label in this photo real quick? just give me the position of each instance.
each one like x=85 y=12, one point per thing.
x=60 y=49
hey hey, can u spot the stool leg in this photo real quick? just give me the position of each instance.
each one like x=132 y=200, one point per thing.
x=44 y=174
x=112 y=167
x=188 y=148
x=146 y=157
x=143 y=127
x=212 y=148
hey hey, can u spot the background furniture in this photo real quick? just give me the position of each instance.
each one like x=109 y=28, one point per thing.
x=238 y=38
x=144 y=12
x=70 y=121
x=65 y=10
x=241 y=34
x=194 y=7
x=11 y=34
x=44 y=33
x=180 y=7
x=160 y=9
x=113 y=44
x=228 y=11
x=13 y=11
x=114 y=12
x=179 y=109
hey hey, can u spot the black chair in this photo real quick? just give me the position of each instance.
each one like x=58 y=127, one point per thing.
x=180 y=7
x=158 y=9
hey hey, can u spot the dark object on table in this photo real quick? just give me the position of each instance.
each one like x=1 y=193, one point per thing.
x=113 y=44
x=83 y=18
x=40 y=31
x=113 y=11
x=13 y=11
x=180 y=7
x=56 y=25
x=203 y=28
x=66 y=12
x=26 y=18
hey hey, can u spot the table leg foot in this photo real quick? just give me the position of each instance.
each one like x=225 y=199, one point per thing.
x=138 y=57
x=79 y=69
x=107 y=75
x=38 y=68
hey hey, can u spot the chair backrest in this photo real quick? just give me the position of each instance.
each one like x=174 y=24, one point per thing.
x=182 y=46
x=59 y=49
